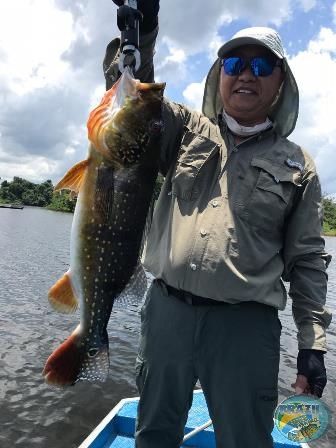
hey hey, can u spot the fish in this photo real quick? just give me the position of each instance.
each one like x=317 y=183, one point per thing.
x=115 y=186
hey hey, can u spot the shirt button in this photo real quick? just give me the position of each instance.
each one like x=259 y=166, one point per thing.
x=203 y=232
x=215 y=203
x=193 y=267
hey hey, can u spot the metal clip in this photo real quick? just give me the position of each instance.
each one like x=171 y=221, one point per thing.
x=128 y=18
x=130 y=57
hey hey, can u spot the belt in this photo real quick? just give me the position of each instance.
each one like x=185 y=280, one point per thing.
x=189 y=298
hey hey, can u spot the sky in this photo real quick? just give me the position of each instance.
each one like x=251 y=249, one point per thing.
x=51 y=75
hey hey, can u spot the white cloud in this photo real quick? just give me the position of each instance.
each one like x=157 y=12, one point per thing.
x=326 y=42
x=315 y=72
x=183 y=27
x=32 y=43
x=171 y=62
x=31 y=167
x=193 y=95
x=51 y=55
x=307 y=5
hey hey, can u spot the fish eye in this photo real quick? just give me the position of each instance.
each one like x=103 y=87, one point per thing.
x=155 y=127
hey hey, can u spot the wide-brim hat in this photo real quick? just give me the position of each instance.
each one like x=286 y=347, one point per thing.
x=285 y=112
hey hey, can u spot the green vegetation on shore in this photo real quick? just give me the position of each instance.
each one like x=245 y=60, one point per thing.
x=21 y=191
x=329 y=216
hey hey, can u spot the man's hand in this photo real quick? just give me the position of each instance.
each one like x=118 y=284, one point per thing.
x=311 y=377
x=149 y=10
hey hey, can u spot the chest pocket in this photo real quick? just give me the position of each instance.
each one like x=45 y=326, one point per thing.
x=270 y=200
x=190 y=173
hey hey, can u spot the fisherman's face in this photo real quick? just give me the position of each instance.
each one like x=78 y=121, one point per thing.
x=246 y=97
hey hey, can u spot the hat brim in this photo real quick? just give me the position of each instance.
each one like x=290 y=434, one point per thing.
x=241 y=41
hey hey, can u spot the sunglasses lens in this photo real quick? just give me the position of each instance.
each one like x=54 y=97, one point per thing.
x=262 y=66
x=233 y=66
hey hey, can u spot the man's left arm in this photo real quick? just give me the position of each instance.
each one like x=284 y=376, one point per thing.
x=305 y=268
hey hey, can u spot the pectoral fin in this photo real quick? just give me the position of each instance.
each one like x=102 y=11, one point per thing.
x=62 y=297
x=74 y=177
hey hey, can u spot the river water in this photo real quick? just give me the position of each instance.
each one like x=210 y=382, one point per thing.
x=34 y=252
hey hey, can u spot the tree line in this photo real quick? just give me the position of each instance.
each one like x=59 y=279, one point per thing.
x=21 y=191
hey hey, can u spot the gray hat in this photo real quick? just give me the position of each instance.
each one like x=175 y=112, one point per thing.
x=285 y=112
x=267 y=37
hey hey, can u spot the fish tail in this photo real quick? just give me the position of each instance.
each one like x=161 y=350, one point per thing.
x=61 y=296
x=63 y=365
x=72 y=362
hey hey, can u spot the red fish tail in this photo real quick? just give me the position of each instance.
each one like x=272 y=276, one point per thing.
x=72 y=362
x=63 y=365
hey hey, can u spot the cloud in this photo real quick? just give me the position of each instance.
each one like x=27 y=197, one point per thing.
x=170 y=62
x=193 y=95
x=32 y=43
x=51 y=71
x=182 y=27
x=307 y=5
x=315 y=72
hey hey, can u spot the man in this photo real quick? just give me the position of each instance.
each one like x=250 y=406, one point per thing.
x=240 y=210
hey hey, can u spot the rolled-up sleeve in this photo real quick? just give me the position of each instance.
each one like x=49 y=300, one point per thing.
x=305 y=264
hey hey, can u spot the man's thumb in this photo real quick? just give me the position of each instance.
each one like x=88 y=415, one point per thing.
x=300 y=384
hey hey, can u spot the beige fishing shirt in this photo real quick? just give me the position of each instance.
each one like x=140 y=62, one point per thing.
x=234 y=221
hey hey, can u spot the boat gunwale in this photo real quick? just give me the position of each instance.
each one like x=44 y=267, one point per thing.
x=114 y=412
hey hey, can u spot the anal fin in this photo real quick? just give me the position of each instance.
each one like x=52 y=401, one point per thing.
x=62 y=297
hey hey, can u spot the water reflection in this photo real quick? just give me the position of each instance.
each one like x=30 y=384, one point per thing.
x=34 y=246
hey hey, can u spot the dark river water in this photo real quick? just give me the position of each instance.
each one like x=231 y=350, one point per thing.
x=34 y=252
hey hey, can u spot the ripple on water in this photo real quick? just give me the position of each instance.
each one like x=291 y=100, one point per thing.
x=35 y=252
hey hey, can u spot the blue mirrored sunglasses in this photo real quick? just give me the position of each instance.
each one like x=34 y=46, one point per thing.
x=260 y=66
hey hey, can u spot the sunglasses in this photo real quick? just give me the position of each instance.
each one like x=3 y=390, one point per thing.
x=260 y=66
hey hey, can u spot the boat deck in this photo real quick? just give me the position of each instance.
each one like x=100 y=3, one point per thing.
x=117 y=428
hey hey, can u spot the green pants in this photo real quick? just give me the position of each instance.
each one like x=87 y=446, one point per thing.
x=232 y=349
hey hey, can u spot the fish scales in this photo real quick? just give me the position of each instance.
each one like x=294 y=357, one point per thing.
x=114 y=188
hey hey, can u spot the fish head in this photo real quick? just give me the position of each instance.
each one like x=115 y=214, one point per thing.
x=127 y=121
